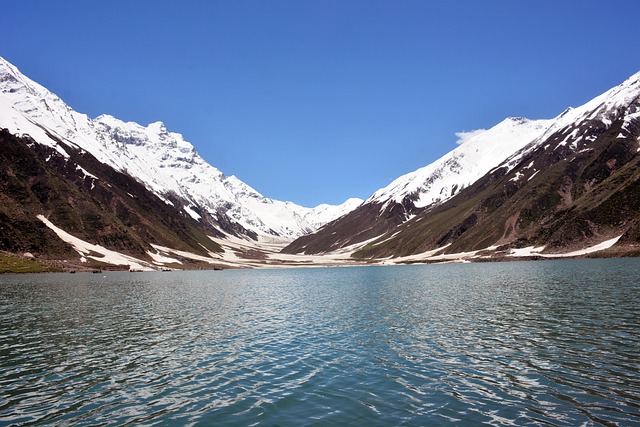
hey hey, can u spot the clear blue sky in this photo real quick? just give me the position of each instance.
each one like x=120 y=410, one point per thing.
x=315 y=101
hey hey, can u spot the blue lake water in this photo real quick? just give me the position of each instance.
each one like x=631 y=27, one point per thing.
x=519 y=343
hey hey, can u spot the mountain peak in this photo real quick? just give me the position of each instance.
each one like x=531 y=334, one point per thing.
x=518 y=120
x=158 y=127
x=566 y=183
x=480 y=151
x=163 y=161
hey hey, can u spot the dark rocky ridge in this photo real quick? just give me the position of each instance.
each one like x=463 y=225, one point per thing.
x=114 y=210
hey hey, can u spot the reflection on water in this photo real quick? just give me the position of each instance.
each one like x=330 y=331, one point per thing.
x=534 y=343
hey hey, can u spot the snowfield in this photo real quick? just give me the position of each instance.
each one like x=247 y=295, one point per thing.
x=161 y=160
x=479 y=153
x=236 y=254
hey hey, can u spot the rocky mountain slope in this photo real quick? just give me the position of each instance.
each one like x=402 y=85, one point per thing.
x=163 y=161
x=430 y=185
x=569 y=183
x=91 y=201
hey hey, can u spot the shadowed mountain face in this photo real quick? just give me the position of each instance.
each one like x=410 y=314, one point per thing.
x=573 y=186
x=87 y=199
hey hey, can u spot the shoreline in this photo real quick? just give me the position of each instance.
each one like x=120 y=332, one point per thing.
x=21 y=264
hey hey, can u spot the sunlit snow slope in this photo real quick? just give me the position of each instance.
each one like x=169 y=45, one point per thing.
x=163 y=161
x=464 y=165
x=509 y=140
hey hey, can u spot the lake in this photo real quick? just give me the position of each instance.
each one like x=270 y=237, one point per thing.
x=515 y=343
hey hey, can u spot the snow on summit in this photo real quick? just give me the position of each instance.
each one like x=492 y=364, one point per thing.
x=162 y=160
x=477 y=153
x=170 y=166
x=480 y=151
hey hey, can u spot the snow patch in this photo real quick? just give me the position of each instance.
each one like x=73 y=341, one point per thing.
x=86 y=174
x=480 y=153
x=193 y=214
x=517 y=177
x=86 y=249
x=183 y=254
x=160 y=259
x=526 y=252
x=535 y=251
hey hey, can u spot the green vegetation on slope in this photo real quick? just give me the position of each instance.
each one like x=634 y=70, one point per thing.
x=14 y=264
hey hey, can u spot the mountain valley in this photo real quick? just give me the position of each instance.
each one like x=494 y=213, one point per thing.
x=100 y=194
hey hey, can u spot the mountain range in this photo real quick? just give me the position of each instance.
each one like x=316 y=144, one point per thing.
x=102 y=193
x=545 y=188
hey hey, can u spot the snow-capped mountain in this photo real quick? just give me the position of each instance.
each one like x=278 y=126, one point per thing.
x=73 y=187
x=577 y=126
x=531 y=169
x=463 y=166
x=485 y=150
x=435 y=183
x=163 y=161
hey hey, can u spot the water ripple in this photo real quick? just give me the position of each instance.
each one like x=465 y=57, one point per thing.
x=538 y=343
